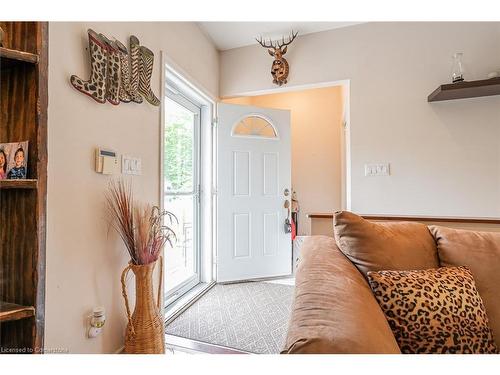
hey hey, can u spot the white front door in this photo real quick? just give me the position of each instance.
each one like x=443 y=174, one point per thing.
x=253 y=183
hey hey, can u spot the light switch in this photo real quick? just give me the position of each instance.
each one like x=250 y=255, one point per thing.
x=377 y=169
x=131 y=165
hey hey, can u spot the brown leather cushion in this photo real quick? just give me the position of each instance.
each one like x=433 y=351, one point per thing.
x=384 y=246
x=480 y=251
x=334 y=310
x=434 y=311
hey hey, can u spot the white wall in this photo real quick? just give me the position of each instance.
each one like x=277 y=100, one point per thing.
x=84 y=261
x=445 y=157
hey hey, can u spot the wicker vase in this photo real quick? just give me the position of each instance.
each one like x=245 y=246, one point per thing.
x=145 y=330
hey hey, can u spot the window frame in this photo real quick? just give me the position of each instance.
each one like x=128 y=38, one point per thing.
x=174 y=94
x=208 y=192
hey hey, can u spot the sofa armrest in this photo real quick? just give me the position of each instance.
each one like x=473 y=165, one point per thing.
x=334 y=310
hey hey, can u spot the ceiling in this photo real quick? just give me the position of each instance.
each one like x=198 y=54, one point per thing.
x=227 y=35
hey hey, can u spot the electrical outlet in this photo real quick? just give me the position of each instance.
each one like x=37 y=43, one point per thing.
x=377 y=169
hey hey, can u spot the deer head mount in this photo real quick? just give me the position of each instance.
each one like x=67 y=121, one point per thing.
x=280 y=67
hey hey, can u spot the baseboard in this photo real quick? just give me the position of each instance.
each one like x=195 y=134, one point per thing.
x=119 y=350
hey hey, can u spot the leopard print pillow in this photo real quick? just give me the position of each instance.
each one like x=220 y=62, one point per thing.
x=434 y=311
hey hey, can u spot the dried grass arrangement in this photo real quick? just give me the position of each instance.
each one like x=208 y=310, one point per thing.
x=141 y=226
x=144 y=233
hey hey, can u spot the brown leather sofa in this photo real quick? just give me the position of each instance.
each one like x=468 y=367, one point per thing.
x=334 y=310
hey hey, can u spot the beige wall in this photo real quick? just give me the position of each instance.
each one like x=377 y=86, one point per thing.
x=84 y=261
x=316 y=122
x=445 y=157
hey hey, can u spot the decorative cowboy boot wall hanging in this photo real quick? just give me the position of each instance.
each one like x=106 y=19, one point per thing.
x=134 y=70
x=125 y=73
x=145 y=72
x=117 y=75
x=112 y=73
x=95 y=86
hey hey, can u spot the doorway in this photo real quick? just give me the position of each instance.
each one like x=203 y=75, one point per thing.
x=319 y=147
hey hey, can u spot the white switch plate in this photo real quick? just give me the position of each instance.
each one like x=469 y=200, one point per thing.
x=377 y=169
x=131 y=165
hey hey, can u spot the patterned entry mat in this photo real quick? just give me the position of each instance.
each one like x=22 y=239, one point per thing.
x=251 y=316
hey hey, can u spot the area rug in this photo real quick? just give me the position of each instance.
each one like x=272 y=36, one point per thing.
x=250 y=316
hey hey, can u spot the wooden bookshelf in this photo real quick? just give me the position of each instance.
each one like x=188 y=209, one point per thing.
x=23 y=117
x=11 y=311
x=11 y=56
x=19 y=184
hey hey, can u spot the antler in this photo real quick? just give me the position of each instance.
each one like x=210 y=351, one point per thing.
x=264 y=44
x=290 y=40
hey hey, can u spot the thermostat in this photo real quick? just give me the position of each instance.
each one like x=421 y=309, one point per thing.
x=106 y=161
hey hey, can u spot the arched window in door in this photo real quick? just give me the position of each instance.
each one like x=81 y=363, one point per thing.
x=254 y=126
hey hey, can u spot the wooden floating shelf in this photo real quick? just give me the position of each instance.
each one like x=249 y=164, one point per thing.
x=11 y=55
x=466 y=89
x=11 y=311
x=18 y=184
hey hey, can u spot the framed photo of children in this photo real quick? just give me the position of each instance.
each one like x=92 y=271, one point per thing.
x=13 y=160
